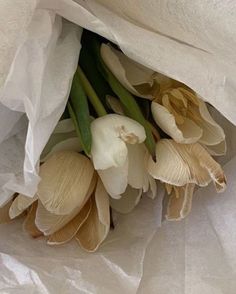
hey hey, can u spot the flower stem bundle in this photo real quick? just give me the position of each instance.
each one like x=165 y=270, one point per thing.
x=129 y=130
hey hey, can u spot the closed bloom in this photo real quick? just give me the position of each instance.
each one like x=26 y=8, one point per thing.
x=184 y=116
x=71 y=202
x=119 y=155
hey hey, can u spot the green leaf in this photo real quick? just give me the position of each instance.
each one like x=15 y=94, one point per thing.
x=79 y=113
x=99 y=84
x=93 y=98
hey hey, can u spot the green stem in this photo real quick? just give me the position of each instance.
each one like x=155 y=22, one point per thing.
x=93 y=98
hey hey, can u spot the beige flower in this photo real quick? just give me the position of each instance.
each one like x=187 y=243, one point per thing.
x=136 y=78
x=71 y=202
x=182 y=164
x=184 y=116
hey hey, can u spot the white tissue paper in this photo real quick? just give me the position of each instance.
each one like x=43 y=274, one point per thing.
x=191 y=41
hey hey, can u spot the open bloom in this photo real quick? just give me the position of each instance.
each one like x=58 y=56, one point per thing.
x=71 y=202
x=184 y=116
x=181 y=167
x=119 y=155
x=181 y=164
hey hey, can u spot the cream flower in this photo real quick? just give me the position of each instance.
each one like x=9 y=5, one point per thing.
x=71 y=202
x=182 y=164
x=138 y=79
x=119 y=155
x=184 y=116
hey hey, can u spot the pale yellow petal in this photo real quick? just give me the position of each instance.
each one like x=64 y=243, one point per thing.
x=213 y=134
x=217 y=150
x=20 y=204
x=64 y=126
x=169 y=166
x=129 y=73
x=152 y=192
x=179 y=206
x=96 y=227
x=49 y=223
x=187 y=132
x=115 y=104
x=180 y=164
x=29 y=222
x=66 y=177
x=4 y=213
x=129 y=199
x=70 y=144
x=68 y=232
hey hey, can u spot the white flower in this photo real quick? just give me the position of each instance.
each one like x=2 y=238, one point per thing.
x=119 y=155
x=184 y=116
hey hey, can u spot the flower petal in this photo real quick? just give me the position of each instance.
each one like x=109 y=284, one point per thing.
x=110 y=134
x=213 y=134
x=20 y=204
x=129 y=199
x=115 y=104
x=137 y=172
x=187 y=132
x=169 y=166
x=217 y=150
x=129 y=73
x=180 y=202
x=64 y=130
x=29 y=222
x=64 y=126
x=115 y=179
x=66 y=177
x=96 y=227
x=180 y=164
x=70 y=144
x=50 y=223
x=152 y=192
x=68 y=232
x=4 y=213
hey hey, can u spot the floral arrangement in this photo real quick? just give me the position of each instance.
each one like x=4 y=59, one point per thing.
x=126 y=130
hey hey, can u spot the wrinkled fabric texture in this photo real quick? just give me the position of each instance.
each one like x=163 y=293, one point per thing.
x=191 y=41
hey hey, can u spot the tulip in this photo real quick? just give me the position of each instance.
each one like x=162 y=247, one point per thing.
x=71 y=202
x=184 y=116
x=119 y=155
x=182 y=164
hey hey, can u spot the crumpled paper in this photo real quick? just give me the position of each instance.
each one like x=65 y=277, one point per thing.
x=191 y=41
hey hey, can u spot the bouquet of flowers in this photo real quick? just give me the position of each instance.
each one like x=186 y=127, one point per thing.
x=126 y=131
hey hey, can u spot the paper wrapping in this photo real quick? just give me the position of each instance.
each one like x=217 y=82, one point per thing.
x=191 y=41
